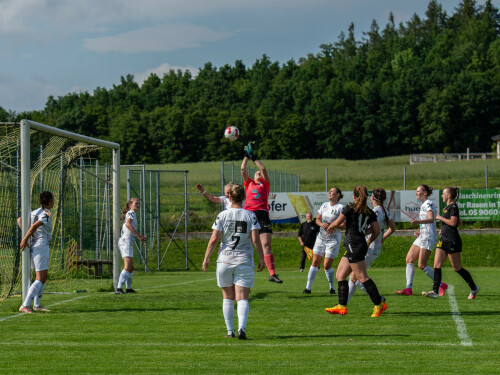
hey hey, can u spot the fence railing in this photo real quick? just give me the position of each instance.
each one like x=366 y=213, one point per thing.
x=436 y=158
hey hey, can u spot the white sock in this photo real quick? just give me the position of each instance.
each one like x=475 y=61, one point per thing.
x=128 y=282
x=243 y=308
x=32 y=292
x=361 y=286
x=330 y=275
x=121 y=280
x=429 y=272
x=313 y=271
x=38 y=296
x=410 y=271
x=228 y=312
x=352 y=289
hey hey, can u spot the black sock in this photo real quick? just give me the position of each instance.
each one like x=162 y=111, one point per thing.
x=372 y=291
x=437 y=280
x=343 y=292
x=468 y=278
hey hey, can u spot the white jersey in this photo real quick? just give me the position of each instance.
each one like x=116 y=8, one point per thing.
x=225 y=201
x=127 y=237
x=328 y=215
x=376 y=246
x=43 y=234
x=236 y=225
x=427 y=230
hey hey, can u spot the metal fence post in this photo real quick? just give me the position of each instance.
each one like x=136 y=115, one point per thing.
x=186 y=219
x=158 y=217
x=404 y=178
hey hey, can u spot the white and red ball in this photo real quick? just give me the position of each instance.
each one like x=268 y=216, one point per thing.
x=231 y=133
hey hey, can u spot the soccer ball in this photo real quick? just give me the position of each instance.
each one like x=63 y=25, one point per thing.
x=231 y=133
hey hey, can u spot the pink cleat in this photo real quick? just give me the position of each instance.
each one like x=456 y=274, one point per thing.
x=442 y=289
x=405 y=292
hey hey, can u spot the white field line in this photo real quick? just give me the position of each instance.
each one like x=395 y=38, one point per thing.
x=80 y=297
x=465 y=340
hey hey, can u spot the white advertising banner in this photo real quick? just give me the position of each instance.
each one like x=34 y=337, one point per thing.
x=293 y=207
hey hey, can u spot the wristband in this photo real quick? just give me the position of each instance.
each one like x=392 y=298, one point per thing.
x=203 y=193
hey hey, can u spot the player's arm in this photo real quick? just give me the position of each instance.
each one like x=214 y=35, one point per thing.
x=429 y=220
x=452 y=221
x=29 y=233
x=131 y=228
x=263 y=169
x=319 y=222
x=389 y=231
x=209 y=196
x=258 y=248
x=214 y=239
x=244 y=172
x=375 y=232
x=337 y=223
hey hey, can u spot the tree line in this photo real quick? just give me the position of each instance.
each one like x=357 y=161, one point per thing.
x=430 y=84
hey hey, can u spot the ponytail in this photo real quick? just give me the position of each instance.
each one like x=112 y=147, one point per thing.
x=380 y=195
x=361 y=196
x=127 y=207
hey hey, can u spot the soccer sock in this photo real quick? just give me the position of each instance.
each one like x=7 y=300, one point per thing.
x=269 y=259
x=361 y=286
x=123 y=277
x=311 y=276
x=228 y=312
x=352 y=289
x=343 y=292
x=372 y=291
x=38 y=296
x=468 y=278
x=429 y=272
x=410 y=271
x=32 y=292
x=437 y=280
x=330 y=275
x=243 y=308
x=128 y=282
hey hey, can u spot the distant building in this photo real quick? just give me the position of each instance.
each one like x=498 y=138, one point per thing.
x=496 y=138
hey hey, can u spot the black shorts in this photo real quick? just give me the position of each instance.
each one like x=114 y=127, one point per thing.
x=450 y=247
x=264 y=221
x=356 y=252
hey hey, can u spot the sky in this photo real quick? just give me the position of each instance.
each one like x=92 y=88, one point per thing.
x=55 y=47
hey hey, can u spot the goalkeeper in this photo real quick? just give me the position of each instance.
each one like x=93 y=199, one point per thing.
x=257 y=193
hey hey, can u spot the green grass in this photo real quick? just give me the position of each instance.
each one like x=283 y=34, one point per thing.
x=175 y=325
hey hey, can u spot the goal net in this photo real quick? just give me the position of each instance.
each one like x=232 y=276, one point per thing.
x=81 y=172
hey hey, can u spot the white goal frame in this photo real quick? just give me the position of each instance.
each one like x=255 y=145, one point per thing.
x=25 y=127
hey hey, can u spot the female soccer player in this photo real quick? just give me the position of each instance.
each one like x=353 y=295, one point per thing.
x=357 y=216
x=41 y=233
x=126 y=243
x=450 y=244
x=238 y=228
x=384 y=220
x=327 y=245
x=424 y=244
x=257 y=193
x=223 y=199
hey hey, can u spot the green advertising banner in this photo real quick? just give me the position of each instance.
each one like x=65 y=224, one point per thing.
x=479 y=204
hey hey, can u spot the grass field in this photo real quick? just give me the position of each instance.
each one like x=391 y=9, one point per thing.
x=175 y=325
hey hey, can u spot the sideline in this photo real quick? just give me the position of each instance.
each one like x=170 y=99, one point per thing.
x=88 y=295
x=465 y=340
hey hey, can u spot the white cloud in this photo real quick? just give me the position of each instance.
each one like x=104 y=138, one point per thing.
x=161 y=70
x=156 y=38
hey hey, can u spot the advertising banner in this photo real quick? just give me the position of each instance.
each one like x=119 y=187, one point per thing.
x=479 y=204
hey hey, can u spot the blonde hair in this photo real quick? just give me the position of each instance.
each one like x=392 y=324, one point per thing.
x=361 y=196
x=127 y=207
x=237 y=193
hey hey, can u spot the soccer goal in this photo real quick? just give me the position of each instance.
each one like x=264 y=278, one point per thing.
x=83 y=174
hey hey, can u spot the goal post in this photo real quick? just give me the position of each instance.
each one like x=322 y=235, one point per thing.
x=26 y=127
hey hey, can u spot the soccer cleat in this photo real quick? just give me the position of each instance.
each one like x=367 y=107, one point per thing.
x=130 y=290
x=306 y=291
x=405 y=292
x=301 y=270
x=442 y=289
x=431 y=294
x=40 y=308
x=24 y=310
x=379 y=309
x=275 y=279
x=339 y=309
x=242 y=335
x=119 y=291
x=473 y=293
x=230 y=335
x=332 y=291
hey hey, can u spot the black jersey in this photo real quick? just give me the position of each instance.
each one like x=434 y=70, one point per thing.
x=449 y=233
x=308 y=233
x=356 y=224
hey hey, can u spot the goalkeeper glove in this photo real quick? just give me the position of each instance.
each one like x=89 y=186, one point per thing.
x=250 y=151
